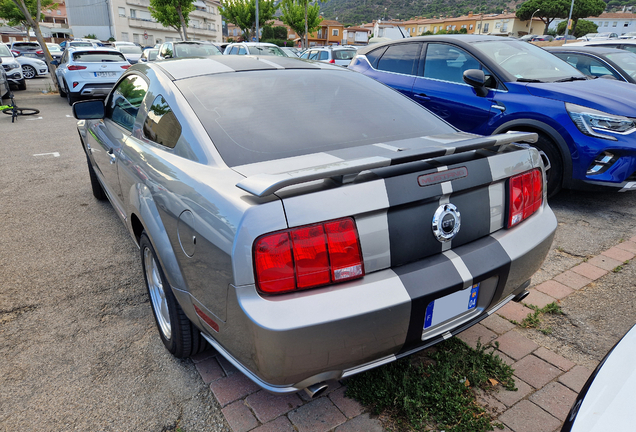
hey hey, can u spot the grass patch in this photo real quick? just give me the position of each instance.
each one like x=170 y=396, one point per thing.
x=533 y=320
x=435 y=392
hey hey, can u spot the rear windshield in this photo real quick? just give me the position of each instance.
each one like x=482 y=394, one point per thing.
x=257 y=116
x=31 y=45
x=81 y=44
x=98 y=57
x=130 y=49
x=196 y=50
x=344 y=54
x=266 y=50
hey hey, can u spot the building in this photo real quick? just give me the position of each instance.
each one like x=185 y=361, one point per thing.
x=356 y=35
x=330 y=33
x=617 y=22
x=130 y=20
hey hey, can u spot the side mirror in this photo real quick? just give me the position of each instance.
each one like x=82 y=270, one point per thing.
x=55 y=62
x=477 y=79
x=88 y=110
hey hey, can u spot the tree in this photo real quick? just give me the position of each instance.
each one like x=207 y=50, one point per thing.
x=10 y=12
x=583 y=27
x=173 y=13
x=584 y=9
x=242 y=13
x=300 y=20
x=548 y=10
x=31 y=10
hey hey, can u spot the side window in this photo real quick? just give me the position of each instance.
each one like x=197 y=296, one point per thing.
x=234 y=50
x=448 y=63
x=305 y=55
x=630 y=48
x=124 y=101
x=313 y=55
x=161 y=125
x=242 y=50
x=324 y=55
x=401 y=58
x=374 y=56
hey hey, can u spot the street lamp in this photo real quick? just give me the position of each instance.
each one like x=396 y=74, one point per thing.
x=567 y=26
x=531 y=18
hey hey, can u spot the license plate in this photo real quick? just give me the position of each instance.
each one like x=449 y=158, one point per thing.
x=447 y=307
x=105 y=74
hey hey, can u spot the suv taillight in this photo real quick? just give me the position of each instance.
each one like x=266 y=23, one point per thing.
x=525 y=195
x=308 y=257
x=332 y=61
x=76 y=67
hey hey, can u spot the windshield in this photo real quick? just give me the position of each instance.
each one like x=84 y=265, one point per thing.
x=266 y=50
x=4 y=51
x=195 y=50
x=132 y=49
x=98 y=57
x=626 y=61
x=344 y=54
x=81 y=44
x=527 y=62
x=26 y=45
x=54 y=47
x=293 y=112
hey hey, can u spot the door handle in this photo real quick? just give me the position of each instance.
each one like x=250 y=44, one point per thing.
x=499 y=107
x=422 y=97
x=113 y=157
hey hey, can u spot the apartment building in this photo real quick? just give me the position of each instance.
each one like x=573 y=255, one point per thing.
x=130 y=20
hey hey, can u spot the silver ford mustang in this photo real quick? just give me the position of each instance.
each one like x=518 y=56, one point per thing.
x=306 y=221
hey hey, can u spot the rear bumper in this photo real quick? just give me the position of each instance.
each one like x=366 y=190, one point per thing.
x=289 y=342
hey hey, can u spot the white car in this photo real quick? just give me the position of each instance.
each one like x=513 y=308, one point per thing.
x=253 y=48
x=89 y=73
x=132 y=52
x=32 y=67
x=12 y=68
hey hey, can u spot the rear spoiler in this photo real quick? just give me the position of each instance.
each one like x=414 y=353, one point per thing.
x=267 y=184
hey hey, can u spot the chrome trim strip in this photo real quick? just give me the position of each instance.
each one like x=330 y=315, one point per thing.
x=368 y=366
x=500 y=304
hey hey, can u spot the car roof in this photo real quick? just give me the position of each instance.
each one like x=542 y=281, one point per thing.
x=458 y=39
x=254 y=43
x=592 y=49
x=190 y=67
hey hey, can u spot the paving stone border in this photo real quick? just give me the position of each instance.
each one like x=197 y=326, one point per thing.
x=547 y=383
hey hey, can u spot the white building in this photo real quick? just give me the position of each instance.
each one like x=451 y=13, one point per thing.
x=130 y=20
x=618 y=22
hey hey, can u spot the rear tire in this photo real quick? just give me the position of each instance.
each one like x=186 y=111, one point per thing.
x=69 y=96
x=98 y=191
x=22 y=84
x=177 y=332
x=29 y=72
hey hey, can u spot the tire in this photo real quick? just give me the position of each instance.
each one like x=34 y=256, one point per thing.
x=29 y=72
x=98 y=191
x=62 y=88
x=554 y=174
x=22 y=84
x=177 y=332
x=21 y=111
x=69 y=96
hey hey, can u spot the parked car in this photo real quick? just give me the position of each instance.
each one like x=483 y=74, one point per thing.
x=562 y=37
x=585 y=126
x=12 y=68
x=308 y=260
x=624 y=44
x=88 y=72
x=599 y=62
x=131 y=52
x=543 y=38
x=629 y=35
x=77 y=44
x=253 y=48
x=55 y=50
x=27 y=49
x=291 y=51
x=149 y=54
x=4 y=84
x=184 y=49
x=335 y=55
x=599 y=36
x=528 y=37
x=32 y=67
x=605 y=403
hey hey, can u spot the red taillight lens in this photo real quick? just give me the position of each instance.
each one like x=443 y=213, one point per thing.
x=39 y=52
x=76 y=67
x=525 y=195
x=308 y=257
x=75 y=84
x=332 y=61
x=125 y=66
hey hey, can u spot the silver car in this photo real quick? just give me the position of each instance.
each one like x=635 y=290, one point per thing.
x=32 y=67
x=88 y=72
x=310 y=254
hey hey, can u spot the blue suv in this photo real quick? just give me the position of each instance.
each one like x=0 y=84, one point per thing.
x=489 y=85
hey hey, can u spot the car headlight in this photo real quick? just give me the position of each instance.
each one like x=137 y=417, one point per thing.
x=592 y=122
x=14 y=65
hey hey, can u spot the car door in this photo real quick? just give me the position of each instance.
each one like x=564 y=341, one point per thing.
x=396 y=66
x=440 y=87
x=120 y=114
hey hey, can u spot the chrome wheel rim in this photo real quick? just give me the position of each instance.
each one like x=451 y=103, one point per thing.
x=28 y=72
x=157 y=293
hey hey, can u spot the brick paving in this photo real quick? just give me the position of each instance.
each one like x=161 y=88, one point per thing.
x=546 y=382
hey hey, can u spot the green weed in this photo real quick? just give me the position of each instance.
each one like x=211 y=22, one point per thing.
x=533 y=320
x=437 y=391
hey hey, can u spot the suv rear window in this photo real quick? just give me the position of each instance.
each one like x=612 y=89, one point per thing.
x=31 y=45
x=301 y=111
x=98 y=57
x=344 y=54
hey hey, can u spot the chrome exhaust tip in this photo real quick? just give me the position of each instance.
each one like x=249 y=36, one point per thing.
x=523 y=294
x=316 y=390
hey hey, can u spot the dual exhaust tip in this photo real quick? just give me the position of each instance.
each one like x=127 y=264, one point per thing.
x=316 y=390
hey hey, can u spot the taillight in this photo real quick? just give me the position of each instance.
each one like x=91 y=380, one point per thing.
x=125 y=66
x=332 y=61
x=308 y=257
x=525 y=195
x=76 y=67
x=39 y=52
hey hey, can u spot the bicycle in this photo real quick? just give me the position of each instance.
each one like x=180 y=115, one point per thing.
x=13 y=110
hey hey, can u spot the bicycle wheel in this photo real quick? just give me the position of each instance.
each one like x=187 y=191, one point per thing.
x=21 y=111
